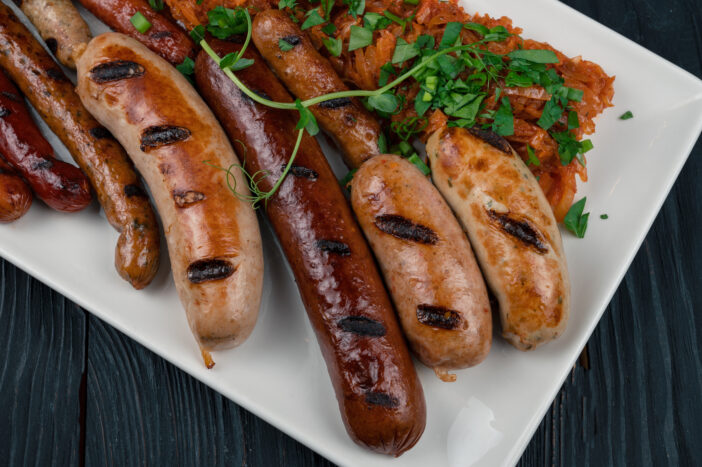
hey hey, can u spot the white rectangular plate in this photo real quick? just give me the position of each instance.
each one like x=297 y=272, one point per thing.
x=488 y=416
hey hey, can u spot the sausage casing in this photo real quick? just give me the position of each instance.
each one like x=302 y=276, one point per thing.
x=15 y=196
x=511 y=227
x=379 y=394
x=163 y=37
x=307 y=74
x=176 y=143
x=60 y=25
x=60 y=185
x=427 y=263
x=101 y=158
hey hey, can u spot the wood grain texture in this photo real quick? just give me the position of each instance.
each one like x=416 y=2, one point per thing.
x=640 y=403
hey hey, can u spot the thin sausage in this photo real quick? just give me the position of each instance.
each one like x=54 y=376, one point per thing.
x=176 y=143
x=379 y=395
x=511 y=227
x=15 y=196
x=101 y=158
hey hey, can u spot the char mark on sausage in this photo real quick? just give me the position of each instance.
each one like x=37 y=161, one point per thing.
x=302 y=172
x=134 y=190
x=491 y=138
x=403 y=228
x=11 y=95
x=4 y=112
x=162 y=135
x=115 y=71
x=208 y=270
x=187 y=197
x=42 y=164
x=382 y=399
x=362 y=326
x=161 y=34
x=100 y=132
x=258 y=93
x=335 y=103
x=438 y=317
x=52 y=44
x=332 y=246
x=56 y=74
x=292 y=39
x=520 y=229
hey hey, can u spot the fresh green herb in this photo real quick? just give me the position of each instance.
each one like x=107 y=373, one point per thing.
x=382 y=143
x=375 y=21
x=604 y=217
x=451 y=35
x=569 y=148
x=386 y=71
x=198 y=33
x=627 y=115
x=199 y=2
x=329 y=29
x=282 y=4
x=394 y=18
x=333 y=45
x=187 y=68
x=156 y=5
x=284 y=45
x=535 y=56
x=347 y=179
x=532 y=159
x=307 y=120
x=411 y=2
x=359 y=38
x=327 y=6
x=575 y=220
x=404 y=51
x=313 y=19
x=419 y=163
x=384 y=102
x=225 y=22
x=503 y=124
x=551 y=114
x=573 y=121
x=140 y=22
x=356 y=7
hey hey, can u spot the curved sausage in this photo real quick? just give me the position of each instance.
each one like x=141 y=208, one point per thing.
x=163 y=37
x=427 y=263
x=60 y=25
x=176 y=143
x=101 y=158
x=60 y=185
x=379 y=395
x=15 y=196
x=512 y=230
x=307 y=74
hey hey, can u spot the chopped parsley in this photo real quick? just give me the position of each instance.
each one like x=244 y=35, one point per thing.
x=313 y=19
x=575 y=220
x=626 y=115
x=225 y=22
x=604 y=217
x=532 y=159
x=156 y=5
x=333 y=45
x=404 y=51
x=285 y=45
x=375 y=21
x=359 y=38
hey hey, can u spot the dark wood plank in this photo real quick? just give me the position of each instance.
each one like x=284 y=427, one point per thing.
x=42 y=346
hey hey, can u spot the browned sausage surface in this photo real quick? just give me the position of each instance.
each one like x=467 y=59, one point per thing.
x=101 y=158
x=427 y=263
x=163 y=37
x=307 y=74
x=60 y=185
x=15 y=196
x=379 y=395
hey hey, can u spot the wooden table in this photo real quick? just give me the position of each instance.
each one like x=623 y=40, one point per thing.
x=75 y=391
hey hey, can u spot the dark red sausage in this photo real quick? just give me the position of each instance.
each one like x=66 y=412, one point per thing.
x=15 y=195
x=60 y=185
x=379 y=394
x=163 y=37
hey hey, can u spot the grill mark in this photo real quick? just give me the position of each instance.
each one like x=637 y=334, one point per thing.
x=162 y=135
x=335 y=103
x=161 y=34
x=52 y=44
x=382 y=399
x=236 y=39
x=11 y=95
x=362 y=326
x=134 y=190
x=491 y=138
x=4 y=112
x=56 y=74
x=332 y=246
x=292 y=39
x=258 y=93
x=42 y=165
x=208 y=270
x=115 y=71
x=100 y=132
x=438 y=317
x=405 y=229
x=184 y=198
x=302 y=172
x=520 y=229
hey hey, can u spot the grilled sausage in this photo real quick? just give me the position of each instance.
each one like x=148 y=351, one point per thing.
x=163 y=37
x=60 y=25
x=60 y=185
x=512 y=230
x=213 y=237
x=307 y=74
x=99 y=156
x=427 y=263
x=15 y=196
x=379 y=395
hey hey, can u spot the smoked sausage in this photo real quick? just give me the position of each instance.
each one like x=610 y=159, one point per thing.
x=15 y=196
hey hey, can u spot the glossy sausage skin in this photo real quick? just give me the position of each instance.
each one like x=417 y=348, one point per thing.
x=427 y=263
x=101 y=158
x=177 y=145
x=15 y=196
x=511 y=227
x=60 y=185
x=379 y=395
x=163 y=37
x=307 y=74
x=60 y=25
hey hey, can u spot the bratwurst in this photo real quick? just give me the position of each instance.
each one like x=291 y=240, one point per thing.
x=15 y=195
x=183 y=154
